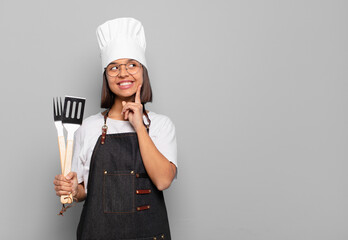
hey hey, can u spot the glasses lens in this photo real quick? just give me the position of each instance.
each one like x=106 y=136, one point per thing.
x=112 y=70
x=133 y=67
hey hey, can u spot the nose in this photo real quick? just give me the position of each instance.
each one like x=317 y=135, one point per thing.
x=123 y=71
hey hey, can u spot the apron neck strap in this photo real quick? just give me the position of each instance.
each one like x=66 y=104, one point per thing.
x=106 y=115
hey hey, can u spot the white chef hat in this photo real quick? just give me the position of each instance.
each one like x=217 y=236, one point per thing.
x=121 y=38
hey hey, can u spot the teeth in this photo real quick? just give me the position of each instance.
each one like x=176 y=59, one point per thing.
x=125 y=83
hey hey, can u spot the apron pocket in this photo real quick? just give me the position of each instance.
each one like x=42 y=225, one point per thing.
x=118 y=192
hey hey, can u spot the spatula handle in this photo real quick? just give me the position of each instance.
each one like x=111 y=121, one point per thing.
x=61 y=145
x=67 y=168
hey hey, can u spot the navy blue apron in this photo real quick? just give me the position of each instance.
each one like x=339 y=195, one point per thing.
x=122 y=202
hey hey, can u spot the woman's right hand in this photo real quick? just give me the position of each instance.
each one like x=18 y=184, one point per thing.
x=66 y=185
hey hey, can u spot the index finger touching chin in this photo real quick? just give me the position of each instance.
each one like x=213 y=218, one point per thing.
x=137 y=95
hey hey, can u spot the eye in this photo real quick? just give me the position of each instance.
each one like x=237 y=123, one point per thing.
x=113 y=68
x=131 y=65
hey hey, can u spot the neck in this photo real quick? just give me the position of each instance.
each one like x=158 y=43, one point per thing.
x=117 y=106
x=115 y=111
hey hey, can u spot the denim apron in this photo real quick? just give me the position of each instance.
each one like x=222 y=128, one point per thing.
x=122 y=202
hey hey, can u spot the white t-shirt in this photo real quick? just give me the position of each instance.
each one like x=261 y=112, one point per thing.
x=162 y=133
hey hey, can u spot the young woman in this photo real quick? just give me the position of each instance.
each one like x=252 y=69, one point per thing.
x=125 y=156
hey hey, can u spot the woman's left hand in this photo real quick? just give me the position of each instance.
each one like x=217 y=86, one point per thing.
x=134 y=111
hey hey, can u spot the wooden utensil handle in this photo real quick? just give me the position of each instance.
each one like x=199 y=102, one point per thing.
x=61 y=145
x=67 y=168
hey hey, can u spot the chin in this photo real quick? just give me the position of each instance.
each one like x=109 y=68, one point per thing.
x=124 y=95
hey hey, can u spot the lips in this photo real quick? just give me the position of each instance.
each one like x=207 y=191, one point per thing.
x=125 y=81
x=125 y=84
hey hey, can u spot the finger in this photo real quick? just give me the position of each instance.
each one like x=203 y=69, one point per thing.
x=62 y=183
x=63 y=188
x=125 y=107
x=126 y=114
x=136 y=105
x=123 y=103
x=70 y=175
x=61 y=178
x=60 y=193
x=137 y=95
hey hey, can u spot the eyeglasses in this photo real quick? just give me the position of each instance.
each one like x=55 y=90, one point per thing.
x=114 y=69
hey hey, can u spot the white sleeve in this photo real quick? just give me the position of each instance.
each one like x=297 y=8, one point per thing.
x=166 y=143
x=77 y=165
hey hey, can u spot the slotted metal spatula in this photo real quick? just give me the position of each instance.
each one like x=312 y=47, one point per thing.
x=72 y=120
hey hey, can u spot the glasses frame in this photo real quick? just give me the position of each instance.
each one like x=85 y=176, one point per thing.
x=125 y=65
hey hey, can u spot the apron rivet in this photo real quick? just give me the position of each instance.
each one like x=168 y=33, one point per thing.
x=132 y=172
x=154 y=238
x=105 y=172
x=162 y=236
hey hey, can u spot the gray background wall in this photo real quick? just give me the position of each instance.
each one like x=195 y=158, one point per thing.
x=257 y=91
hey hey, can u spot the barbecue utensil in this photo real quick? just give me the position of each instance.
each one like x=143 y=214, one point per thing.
x=57 y=115
x=72 y=120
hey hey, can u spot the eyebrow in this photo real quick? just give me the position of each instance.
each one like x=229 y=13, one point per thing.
x=121 y=63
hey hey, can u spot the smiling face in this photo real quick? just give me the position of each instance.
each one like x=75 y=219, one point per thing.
x=124 y=85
